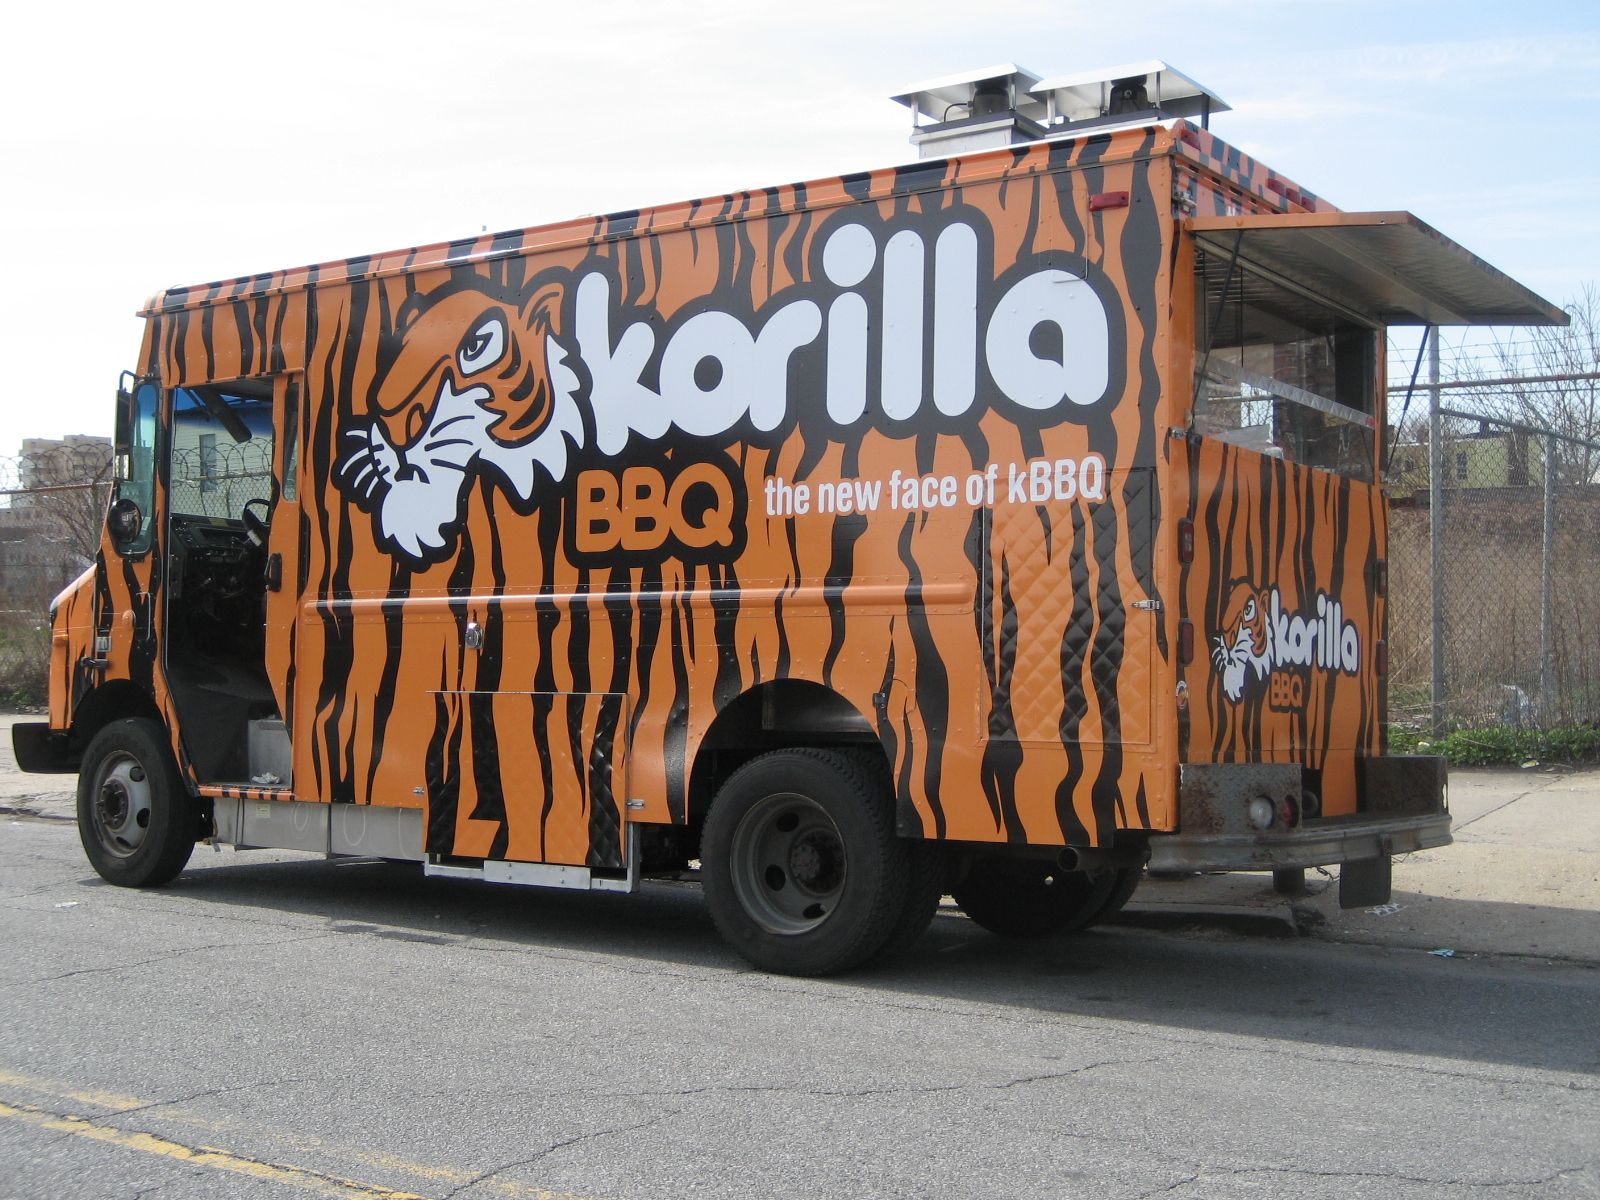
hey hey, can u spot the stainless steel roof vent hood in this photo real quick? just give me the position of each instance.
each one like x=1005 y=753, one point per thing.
x=974 y=110
x=1130 y=94
x=1005 y=104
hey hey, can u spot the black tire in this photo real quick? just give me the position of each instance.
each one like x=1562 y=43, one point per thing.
x=137 y=821
x=924 y=889
x=1125 y=881
x=800 y=864
x=926 y=863
x=1032 y=897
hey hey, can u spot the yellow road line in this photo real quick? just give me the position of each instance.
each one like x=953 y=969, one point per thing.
x=112 y=1100
x=202 y=1156
x=117 y=1104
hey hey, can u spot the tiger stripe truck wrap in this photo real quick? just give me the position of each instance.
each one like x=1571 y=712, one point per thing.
x=566 y=525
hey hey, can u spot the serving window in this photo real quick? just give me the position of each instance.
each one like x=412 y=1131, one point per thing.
x=1281 y=373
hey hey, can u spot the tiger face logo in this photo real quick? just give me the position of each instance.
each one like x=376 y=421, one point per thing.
x=473 y=381
x=1244 y=649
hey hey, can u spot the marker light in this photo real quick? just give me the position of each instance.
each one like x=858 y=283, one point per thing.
x=1102 y=200
x=1262 y=812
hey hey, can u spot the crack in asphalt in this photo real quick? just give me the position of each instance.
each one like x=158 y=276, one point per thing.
x=63 y=882
x=861 y=1093
x=168 y=957
x=553 y=1149
x=1389 y=1176
x=118 y=1114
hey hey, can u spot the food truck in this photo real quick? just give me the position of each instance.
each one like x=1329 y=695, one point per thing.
x=998 y=525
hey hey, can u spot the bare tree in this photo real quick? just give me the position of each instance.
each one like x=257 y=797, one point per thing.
x=50 y=528
x=68 y=486
x=1555 y=383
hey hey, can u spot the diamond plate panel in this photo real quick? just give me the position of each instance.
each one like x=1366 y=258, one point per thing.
x=1072 y=659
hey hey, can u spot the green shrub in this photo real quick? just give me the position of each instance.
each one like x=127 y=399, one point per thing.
x=1503 y=745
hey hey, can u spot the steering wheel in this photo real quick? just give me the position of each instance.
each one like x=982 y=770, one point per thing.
x=256 y=528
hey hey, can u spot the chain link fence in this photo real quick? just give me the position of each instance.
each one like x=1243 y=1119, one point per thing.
x=217 y=479
x=1494 y=575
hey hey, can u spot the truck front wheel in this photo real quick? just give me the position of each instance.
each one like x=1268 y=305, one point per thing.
x=802 y=869
x=136 y=820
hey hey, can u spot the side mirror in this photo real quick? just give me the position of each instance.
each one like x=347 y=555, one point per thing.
x=124 y=520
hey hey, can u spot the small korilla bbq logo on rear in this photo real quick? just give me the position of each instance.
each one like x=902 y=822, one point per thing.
x=1263 y=644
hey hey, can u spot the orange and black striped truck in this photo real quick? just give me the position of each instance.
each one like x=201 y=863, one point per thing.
x=998 y=526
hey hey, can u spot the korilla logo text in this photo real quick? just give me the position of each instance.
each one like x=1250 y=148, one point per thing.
x=909 y=326
x=1262 y=642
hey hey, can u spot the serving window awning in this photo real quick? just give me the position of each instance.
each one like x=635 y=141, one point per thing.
x=1387 y=266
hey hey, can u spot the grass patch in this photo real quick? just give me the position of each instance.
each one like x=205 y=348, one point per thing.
x=1503 y=745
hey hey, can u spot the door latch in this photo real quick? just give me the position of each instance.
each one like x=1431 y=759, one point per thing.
x=473 y=638
x=1148 y=605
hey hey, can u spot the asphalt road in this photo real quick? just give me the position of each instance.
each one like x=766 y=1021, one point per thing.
x=274 y=1025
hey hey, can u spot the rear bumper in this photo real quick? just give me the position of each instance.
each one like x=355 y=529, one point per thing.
x=1319 y=844
x=1401 y=802
x=42 y=750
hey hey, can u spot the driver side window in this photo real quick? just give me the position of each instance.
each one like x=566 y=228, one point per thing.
x=222 y=444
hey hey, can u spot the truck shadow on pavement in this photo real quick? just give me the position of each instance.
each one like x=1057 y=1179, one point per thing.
x=1200 y=977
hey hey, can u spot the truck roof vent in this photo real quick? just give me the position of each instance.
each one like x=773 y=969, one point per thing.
x=1006 y=104
x=974 y=110
x=1134 y=93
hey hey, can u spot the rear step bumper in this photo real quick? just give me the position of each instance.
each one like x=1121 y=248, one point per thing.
x=1317 y=845
x=1263 y=817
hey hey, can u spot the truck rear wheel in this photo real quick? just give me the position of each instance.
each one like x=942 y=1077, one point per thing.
x=1124 y=882
x=802 y=870
x=1034 y=898
x=136 y=820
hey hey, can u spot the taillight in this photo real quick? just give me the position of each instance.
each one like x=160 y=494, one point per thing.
x=1380 y=658
x=1186 y=540
x=1380 y=577
x=1186 y=641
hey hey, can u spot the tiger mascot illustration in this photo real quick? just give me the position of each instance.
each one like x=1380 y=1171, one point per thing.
x=474 y=381
x=1245 y=645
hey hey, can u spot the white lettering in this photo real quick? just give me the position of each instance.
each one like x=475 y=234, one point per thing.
x=902 y=325
x=955 y=320
x=1048 y=340
x=1065 y=301
x=1318 y=637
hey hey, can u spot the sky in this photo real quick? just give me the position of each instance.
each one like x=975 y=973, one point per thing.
x=165 y=143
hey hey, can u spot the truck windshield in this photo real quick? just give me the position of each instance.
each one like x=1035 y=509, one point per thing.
x=221 y=449
x=1285 y=375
